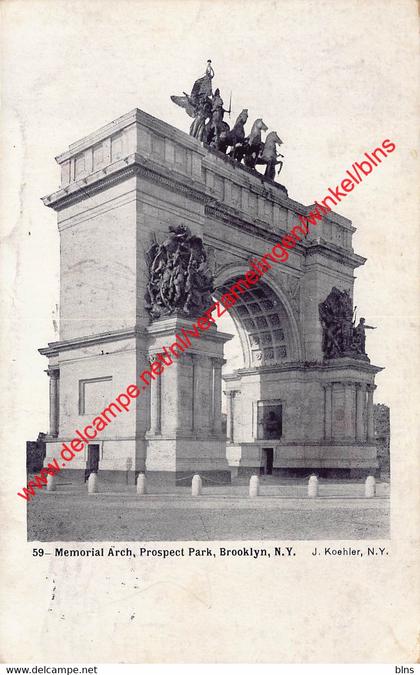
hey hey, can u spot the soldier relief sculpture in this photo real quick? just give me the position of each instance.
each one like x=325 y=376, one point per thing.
x=179 y=278
x=341 y=335
x=206 y=109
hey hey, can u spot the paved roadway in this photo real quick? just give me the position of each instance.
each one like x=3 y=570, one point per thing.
x=70 y=514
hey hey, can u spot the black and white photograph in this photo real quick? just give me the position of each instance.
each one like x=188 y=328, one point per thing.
x=210 y=326
x=174 y=244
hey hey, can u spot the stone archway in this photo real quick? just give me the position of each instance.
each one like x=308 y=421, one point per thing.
x=129 y=183
x=265 y=321
x=268 y=330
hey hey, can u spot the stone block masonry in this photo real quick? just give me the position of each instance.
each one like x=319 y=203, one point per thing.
x=122 y=187
x=122 y=402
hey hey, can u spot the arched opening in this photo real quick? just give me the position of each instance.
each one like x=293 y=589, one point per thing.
x=263 y=340
x=261 y=327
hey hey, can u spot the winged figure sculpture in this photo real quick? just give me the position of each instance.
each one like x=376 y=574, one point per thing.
x=198 y=104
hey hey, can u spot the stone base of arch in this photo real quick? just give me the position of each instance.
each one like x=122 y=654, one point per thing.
x=185 y=428
x=294 y=460
x=326 y=417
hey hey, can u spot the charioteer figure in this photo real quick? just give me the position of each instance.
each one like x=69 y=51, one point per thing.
x=217 y=112
x=216 y=131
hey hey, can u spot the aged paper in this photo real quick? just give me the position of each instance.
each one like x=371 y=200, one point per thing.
x=334 y=79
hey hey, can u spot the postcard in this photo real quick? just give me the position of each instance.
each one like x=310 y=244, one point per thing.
x=210 y=332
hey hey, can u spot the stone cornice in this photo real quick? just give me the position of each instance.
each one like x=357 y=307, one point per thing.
x=86 y=187
x=171 y=179
x=139 y=165
x=256 y=227
x=335 y=252
x=258 y=183
x=190 y=178
x=132 y=165
x=55 y=348
x=236 y=219
x=288 y=443
x=327 y=367
x=174 y=324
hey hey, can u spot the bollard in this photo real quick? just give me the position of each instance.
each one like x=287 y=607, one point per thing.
x=313 y=486
x=196 y=485
x=254 y=486
x=93 y=483
x=370 y=487
x=51 y=482
x=141 y=484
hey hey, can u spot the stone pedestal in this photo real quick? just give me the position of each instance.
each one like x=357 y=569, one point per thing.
x=327 y=417
x=185 y=431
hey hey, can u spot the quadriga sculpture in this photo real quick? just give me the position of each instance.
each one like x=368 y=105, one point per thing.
x=206 y=109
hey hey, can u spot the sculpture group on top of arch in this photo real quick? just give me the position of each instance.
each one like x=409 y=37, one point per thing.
x=206 y=109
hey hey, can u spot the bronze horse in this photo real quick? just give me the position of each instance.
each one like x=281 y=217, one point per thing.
x=269 y=155
x=252 y=150
x=234 y=138
x=209 y=134
x=253 y=145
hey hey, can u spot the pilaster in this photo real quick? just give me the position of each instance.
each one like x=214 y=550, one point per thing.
x=328 y=412
x=54 y=394
x=360 y=411
x=370 y=422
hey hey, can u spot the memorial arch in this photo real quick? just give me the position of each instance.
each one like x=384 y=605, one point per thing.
x=133 y=187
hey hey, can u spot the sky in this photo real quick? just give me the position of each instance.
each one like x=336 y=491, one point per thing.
x=330 y=77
